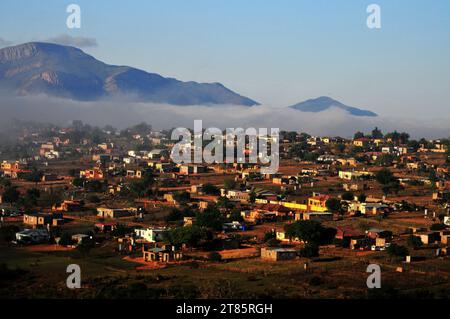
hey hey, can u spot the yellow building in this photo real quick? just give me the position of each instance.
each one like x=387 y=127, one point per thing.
x=318 y=203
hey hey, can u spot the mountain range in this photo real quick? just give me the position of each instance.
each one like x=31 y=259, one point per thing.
x=68 y=72
x=324 y=103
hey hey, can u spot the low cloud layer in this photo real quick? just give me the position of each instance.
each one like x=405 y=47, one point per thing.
x=79 y=42
x=122 y=113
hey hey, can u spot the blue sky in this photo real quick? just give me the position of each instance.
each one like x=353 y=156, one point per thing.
x=276 y=52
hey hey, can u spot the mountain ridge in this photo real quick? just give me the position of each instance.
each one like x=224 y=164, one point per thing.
x=324 y=103
x=68 y=72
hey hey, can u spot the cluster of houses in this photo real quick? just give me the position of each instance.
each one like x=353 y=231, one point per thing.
x=301 y=194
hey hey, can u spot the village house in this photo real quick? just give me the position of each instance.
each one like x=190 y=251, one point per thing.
x=374 y=233
x=47 y=177
x=151 y=235
x=52 y=155
x=156 y=154
x=374 y=208
x=79 y=238
x=281 y=236
x=364 y=243
x=326 y=158
x=278 y=254
x=429 y=238
x=285 y=180
x=69 y=206
x=318 y=216
x=192 y=169
x=442 y=195
x=134 y=173
x=188 y=221
x=197 y=189
x=46 y=148
x=105 y=212
x=347 y=234
x=167 y=253
x=12 y=169
x=317 y=203
x=42 y=219
x=270 y=212
x=95 y=173
x=381 y=243
x=170 y=198
x=361 y=142
x=105 y=227
x=352 y=175
x=357 y=186
x=235 y=195
x=347 y=161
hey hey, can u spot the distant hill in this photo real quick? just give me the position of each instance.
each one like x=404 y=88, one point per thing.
x=63 y=71
x=324 y=103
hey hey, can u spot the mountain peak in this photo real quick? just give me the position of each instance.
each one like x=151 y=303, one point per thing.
x=324 y=103
x=31 y=49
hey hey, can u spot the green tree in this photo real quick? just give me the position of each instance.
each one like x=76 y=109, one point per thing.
x=385 y=160
x=121 y=230
x=362 y=198
x=348 y=196
x=34 y=176
x=210 y=218
x=358 y=135
x=387 y=181
x=334 y=205
x=32 y=196
x=310 y=231
x=229 y=183
x=376 y=133
x=78 y=182
x=11 y=195
x=210 y=189
x=189 y=235
x=433 y=177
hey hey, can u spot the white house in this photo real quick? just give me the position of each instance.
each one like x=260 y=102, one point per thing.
x=150 y=234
